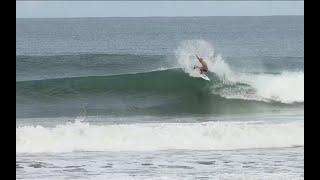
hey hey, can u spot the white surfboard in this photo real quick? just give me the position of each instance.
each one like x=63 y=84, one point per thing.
x=203 y=76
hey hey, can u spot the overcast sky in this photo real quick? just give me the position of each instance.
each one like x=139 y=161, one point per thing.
x=45 y=9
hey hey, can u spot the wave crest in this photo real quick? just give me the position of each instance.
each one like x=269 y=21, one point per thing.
x=287 y=87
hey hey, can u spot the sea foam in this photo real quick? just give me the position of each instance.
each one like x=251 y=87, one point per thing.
x=81 y=136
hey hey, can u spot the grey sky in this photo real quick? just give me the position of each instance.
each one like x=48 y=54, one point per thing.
x=32 y=9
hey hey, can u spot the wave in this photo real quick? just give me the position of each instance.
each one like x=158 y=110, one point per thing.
x=159 y=92
x=286 y=87
x=141 y=85
x=80 y=136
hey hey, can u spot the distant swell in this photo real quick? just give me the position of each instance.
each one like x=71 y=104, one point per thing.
x=145 y=137
x=83 y=65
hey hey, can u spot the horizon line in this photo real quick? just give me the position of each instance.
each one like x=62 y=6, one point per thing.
x=154 y=16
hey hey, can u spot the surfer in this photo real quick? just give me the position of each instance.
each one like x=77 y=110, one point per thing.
x=204 y=67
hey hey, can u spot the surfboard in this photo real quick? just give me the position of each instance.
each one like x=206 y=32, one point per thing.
x=203 y=76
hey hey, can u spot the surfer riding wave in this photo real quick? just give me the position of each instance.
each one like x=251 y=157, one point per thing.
x=204 y=66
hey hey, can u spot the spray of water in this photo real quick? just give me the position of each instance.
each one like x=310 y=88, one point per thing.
x=287 y=87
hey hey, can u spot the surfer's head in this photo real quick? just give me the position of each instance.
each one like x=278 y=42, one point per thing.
x=200 y=59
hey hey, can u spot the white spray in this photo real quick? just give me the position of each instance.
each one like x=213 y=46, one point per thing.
x=287 y=87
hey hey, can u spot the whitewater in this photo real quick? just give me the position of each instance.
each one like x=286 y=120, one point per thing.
x=159 y=136
x=286 y=87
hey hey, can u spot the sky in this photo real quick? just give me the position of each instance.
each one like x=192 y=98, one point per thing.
x=56 y=9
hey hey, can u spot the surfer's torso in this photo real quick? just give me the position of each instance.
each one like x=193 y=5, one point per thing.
x=204 y=67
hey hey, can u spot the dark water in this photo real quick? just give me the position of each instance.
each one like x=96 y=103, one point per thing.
x=167 y=92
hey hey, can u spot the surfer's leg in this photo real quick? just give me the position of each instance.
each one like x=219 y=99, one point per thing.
x=203 y=70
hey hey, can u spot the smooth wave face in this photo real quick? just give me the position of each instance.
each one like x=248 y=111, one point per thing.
x=160 y=92
x=158 y=136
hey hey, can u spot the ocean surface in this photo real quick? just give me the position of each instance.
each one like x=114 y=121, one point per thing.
x=117 y=98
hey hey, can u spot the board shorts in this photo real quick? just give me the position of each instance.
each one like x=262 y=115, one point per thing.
x=204 y=70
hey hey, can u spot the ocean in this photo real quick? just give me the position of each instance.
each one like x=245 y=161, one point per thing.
x=117 y=98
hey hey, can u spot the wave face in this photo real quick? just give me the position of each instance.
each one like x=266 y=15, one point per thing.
x=142 y=85
x=160 y=92
x=154 y=136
